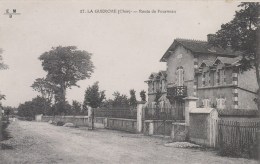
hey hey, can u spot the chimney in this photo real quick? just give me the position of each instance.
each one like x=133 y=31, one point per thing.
x=211 y=38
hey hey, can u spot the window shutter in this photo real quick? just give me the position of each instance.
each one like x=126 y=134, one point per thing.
x=218 y=104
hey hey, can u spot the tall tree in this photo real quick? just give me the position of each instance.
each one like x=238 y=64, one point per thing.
x=132 y=99
x=243 y=34
x=65 y=66
x=93 y=96
x=143 y=95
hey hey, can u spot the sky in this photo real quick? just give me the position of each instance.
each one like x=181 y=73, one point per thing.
x=126 y=47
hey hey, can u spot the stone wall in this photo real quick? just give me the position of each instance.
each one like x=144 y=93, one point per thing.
x=246 y=100
x=129 y=125
x=76 y=120
x=203 y=126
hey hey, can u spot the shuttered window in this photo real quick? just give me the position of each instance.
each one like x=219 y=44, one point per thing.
x=180 y=77
x=206 y=103
x=221 y=103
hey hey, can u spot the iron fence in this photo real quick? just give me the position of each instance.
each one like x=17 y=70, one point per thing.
x=116 y=113
x=163 y=114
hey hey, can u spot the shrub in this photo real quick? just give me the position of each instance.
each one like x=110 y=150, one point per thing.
x=60 y=123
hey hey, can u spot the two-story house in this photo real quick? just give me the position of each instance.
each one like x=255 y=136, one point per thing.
x=198 y=69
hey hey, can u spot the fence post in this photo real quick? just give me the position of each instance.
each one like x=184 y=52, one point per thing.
x=190 y=103
x=140 y=113
x=90 y=117
x=151 y=127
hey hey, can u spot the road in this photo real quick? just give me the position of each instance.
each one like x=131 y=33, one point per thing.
x=38 y=142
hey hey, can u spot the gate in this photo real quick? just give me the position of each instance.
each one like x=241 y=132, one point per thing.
x=161 y=120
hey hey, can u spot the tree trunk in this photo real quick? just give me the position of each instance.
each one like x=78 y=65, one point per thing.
x=63 y=97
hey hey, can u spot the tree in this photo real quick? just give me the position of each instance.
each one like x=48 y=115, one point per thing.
x=120 y=100
x=9 y=110
x=2 y=97
x=243 y=35
x=94 y=97
x=132 y=99
x=75 y=107
x=2 y=64
x=33 y=107
x=45 y=87
x=143 y=95
x=65 y=66
x=2 y=67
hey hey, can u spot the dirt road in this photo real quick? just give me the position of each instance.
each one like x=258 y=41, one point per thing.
x=37 y=142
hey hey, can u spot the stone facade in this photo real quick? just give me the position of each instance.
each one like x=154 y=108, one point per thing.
x=196 y=68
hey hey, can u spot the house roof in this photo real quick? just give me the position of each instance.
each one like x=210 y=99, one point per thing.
x=207 y=62
x=198 y=47
x=227 y=60
x=154 y=76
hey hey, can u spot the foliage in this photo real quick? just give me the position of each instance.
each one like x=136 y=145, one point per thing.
x=45 y=87
x=120 y=100
x=8 y=110
x=76 y=107
x=2 y=64
x=2 y=97
x=31 y=108
x=108 y=103
x=243 y=34
x=132 y=99
x=143 y=95
x=61 y=108
x=65 y=66
x=94 y=97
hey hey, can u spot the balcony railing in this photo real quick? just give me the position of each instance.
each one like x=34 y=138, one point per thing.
x=178 y=92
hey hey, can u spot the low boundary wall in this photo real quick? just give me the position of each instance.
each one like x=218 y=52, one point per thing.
x=76 y=120
x=129 y=125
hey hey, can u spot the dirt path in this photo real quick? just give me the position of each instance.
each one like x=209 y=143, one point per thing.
x=35 y=142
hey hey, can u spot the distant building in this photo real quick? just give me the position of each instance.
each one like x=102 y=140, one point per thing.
x=197 y=68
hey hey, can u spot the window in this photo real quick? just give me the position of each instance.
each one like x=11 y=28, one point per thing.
x=208 y=78
x=203 y=79
x=221 y=103
x=180 y=77
x=218 y=77
x=206 y=103
x=153 y=105
x=162 y=106
x=221 y=77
